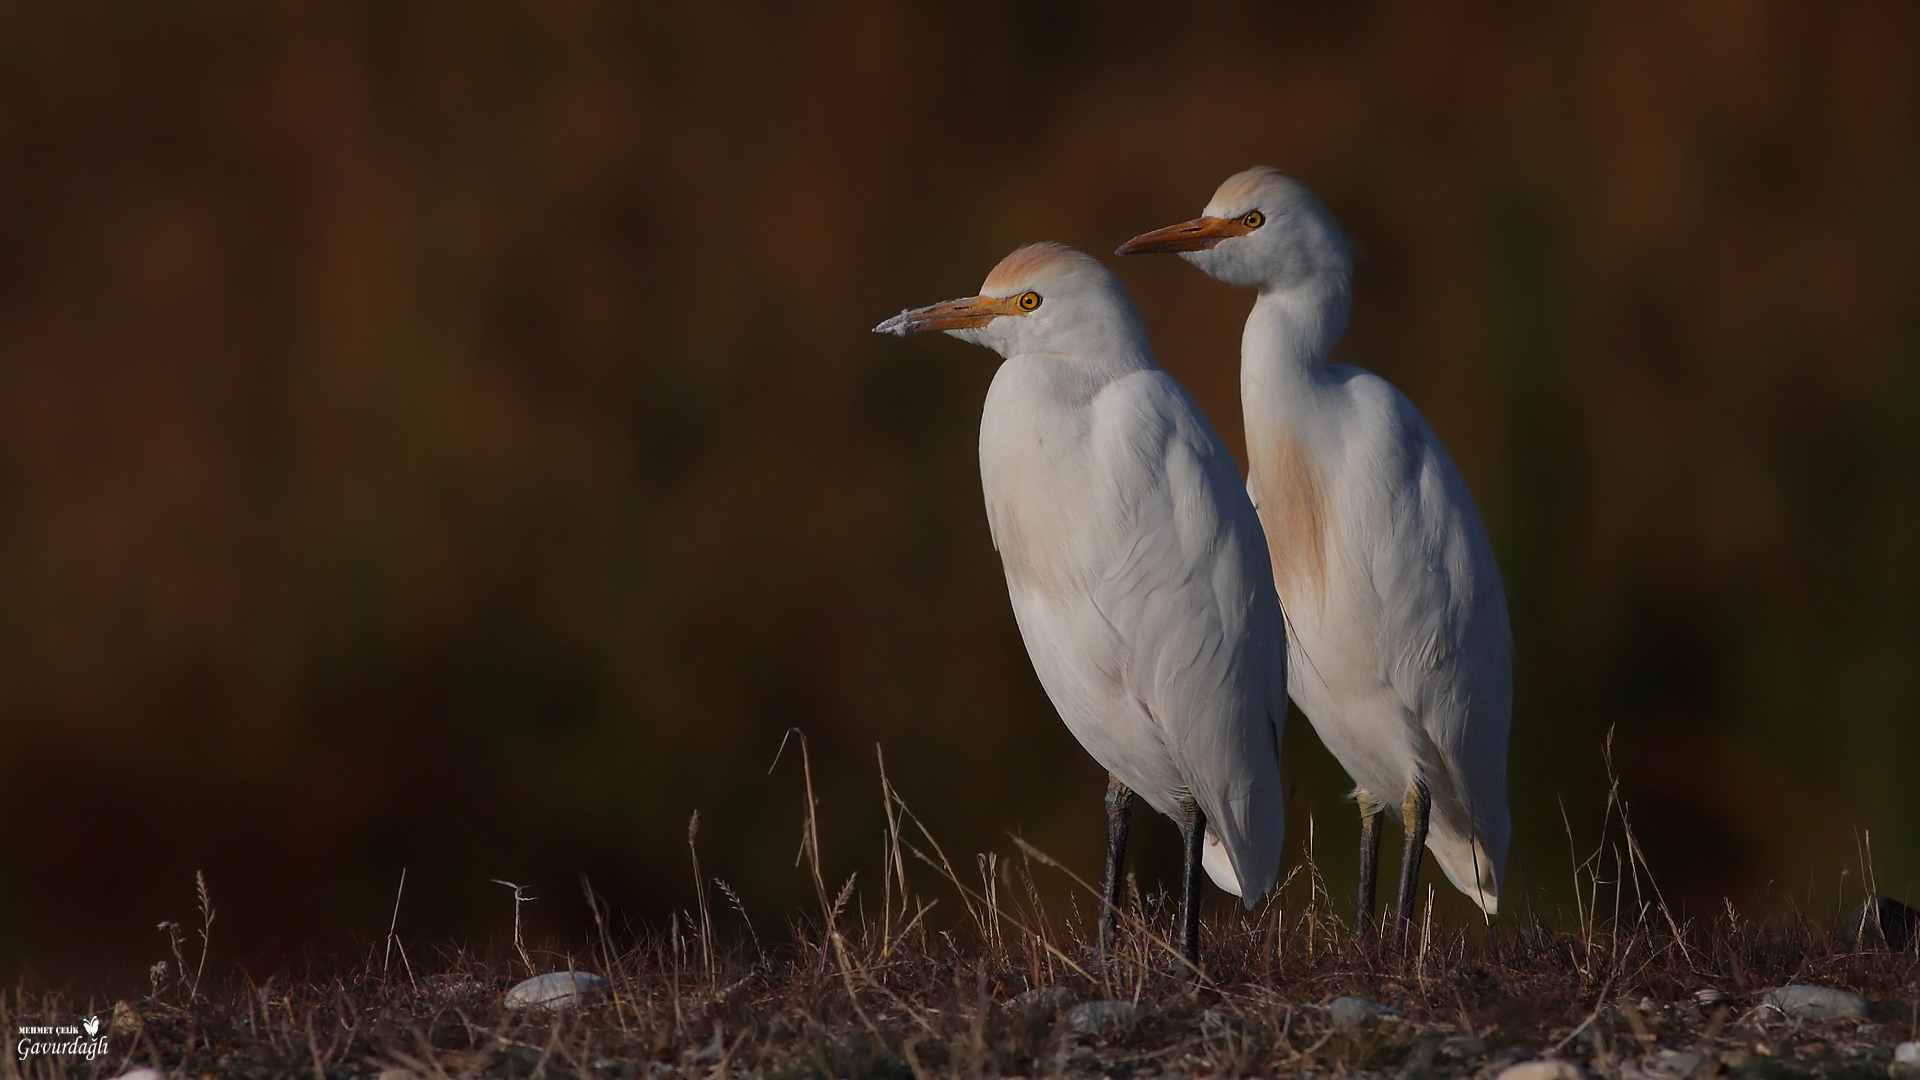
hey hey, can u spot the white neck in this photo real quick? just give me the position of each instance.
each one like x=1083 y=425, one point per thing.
x=1287 y=340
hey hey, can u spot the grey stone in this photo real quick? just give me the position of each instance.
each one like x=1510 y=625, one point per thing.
x=1355 y=1014
x=1879 y=922
x=1095 y=1017
x=1709 y=996
x=1542 y=1069
x=1681 y=1063
x=558 y=990
x=1798 y=1001
x=142 y=1074
x=1219 y=1022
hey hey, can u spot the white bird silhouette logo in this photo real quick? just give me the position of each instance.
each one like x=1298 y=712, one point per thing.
x=92 y=1024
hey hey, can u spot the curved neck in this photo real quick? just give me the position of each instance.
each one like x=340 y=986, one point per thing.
x=1290 y=334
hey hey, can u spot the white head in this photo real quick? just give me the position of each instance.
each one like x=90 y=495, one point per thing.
x=1043 y=298
x=1262 y=229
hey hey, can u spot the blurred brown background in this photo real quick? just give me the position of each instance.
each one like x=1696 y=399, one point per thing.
x=448 y=437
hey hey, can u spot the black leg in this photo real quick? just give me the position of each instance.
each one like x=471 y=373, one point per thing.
x=1370 y=813
x=1119 y=823
x=1413 y=815
x=1194 y=831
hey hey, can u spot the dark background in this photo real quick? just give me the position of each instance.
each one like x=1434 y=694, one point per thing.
x=448 y=436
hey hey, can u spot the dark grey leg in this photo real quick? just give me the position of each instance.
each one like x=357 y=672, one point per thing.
x=1119 y=824
x=1413 y=815
x=1194 y=831
x=1370 y=813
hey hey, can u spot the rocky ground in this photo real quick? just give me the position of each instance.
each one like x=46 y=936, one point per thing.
x=1281 y=996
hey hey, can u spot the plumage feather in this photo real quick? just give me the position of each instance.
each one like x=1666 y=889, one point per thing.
x=1400 y=650
x=1135 y=563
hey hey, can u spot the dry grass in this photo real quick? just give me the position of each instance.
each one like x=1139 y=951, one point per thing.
x=895 y=994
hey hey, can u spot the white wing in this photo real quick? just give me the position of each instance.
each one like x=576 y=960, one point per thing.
x=1138 y=575
x=1446 y=649
x=1192 y=599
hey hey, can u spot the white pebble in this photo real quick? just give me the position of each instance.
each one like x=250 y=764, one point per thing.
x=1800 y=1002
x=1681 y=1062
x=557 y=990
x=1541 y=1069
x=1353 y=1014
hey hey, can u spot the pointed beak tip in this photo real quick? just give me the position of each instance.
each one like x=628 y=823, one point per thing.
x=1199 y=234
x=898 y=326
x=1150 y=243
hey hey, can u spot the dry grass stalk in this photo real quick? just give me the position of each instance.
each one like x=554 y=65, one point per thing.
x=894 y=995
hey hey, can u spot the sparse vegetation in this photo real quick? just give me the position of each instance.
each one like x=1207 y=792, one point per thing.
x=1625 y=987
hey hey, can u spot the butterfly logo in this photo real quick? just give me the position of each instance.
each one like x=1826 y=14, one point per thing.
x=92 y=1024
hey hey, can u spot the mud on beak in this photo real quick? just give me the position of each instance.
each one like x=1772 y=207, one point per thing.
x=963 y=314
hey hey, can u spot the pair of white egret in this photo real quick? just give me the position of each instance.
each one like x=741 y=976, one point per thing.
x=1150 y=586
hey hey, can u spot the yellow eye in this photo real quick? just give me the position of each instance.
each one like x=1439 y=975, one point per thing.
x=1253 y=219
x=1029 y=300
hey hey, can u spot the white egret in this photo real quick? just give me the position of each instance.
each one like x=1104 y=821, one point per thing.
x=1136 y=567
x=1400 y=651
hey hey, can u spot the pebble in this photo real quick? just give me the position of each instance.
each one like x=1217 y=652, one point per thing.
x=1681 y=1062
x=1709 y=996
x=1094 y=1017
x=1798 y=1001
x=1219 y=1022
x=1906 y=1061
x=558 y=990
x=1895 y=927
x=1354 y=1014
x=1541 y=1069
x=142 y=1074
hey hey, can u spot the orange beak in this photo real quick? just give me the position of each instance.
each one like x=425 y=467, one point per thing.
x=963 y=314
x=1197 y=235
